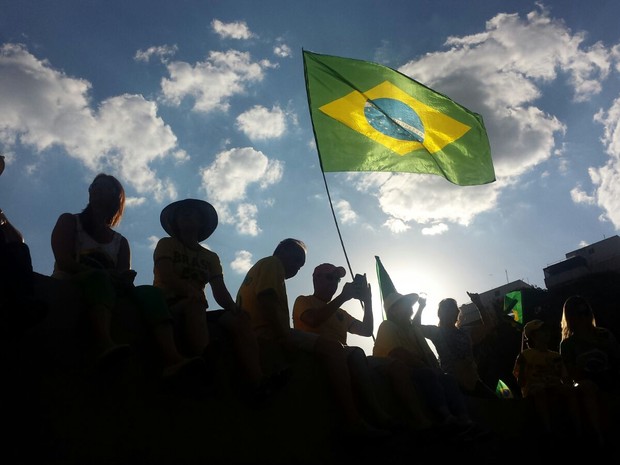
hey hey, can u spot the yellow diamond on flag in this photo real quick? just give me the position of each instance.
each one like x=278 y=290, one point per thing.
x=418 y=126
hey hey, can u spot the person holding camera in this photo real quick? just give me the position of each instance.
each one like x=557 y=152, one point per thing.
x=321 y=313
x=263 y=295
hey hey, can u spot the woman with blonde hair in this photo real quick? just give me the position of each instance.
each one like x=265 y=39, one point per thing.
x=590 y=352
x=89 y=252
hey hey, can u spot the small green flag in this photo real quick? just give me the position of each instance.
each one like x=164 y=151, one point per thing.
x=503 y=391
x=513 y=304
x=386 y=286
x=367 y=117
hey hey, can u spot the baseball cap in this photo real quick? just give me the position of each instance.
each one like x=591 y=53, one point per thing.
x=328 y=268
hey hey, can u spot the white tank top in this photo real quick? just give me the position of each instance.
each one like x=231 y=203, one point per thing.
x=91 y=252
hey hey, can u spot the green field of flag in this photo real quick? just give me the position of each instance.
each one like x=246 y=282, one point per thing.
x=513 y=304
x=386 y=286
x=367 y=117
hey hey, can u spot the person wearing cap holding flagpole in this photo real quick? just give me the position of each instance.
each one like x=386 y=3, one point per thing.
x=183 y=268
x=263 y=295
x=320 y=314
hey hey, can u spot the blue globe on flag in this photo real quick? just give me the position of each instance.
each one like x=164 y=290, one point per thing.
x=394 y=119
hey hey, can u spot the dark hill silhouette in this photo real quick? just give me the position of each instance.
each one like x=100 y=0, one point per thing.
x=61 y=410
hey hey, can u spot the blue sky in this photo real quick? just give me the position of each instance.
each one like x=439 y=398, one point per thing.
x=206 y=99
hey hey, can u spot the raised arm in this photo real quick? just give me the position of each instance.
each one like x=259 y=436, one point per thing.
x=479 y=332
x=417 y=318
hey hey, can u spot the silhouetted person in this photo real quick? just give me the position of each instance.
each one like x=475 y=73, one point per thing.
x=543 y=378
x=20 y=308
x=454 y=344
x=263 y=295
x=590 y=352
x=182 y=269
x=97 y=259
x=320 y=313
x=399 y=338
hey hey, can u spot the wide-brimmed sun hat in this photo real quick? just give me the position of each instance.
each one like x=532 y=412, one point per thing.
x=394 y=297
x=208 y=216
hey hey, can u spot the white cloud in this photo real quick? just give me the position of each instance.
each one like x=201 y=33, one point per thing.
x=260 y=123
x=282 y=51
x=227 y=180
x=550 y=47
x=132 y=202
x=578 y=195
x=615 y=53
x=43 y=107
x=245 y=220
x=242 y=262
x=211 y=83
x=235 y=30
x=152 y=241
x=610 y=120
x=345 y=212
x=435 y=229
x=607 y=178
x=164 y=52
x=499 y=75
x=397 y=226
x=426 y=199
x=180 y=156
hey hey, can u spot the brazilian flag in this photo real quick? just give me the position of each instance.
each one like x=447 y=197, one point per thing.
x=503 y=391
x=367 y=117
x=513 y=305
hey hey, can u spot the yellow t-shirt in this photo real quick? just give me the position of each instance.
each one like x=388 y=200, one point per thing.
x=335 y=327
x=536 y=369
x=390 y=336
x=267 y=274
x=196 y=266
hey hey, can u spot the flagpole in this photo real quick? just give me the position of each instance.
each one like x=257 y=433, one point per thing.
x=331 y=205
x=344 y=250
x=329 y=197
